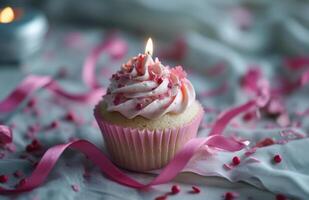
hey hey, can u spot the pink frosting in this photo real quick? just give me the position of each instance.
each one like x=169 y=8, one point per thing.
x=147 y=88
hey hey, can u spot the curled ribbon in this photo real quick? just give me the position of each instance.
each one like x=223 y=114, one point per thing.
x=52 y=155
x=169 y=172
x=113 y=45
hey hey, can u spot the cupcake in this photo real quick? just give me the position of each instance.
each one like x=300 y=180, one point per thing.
x=148 y=113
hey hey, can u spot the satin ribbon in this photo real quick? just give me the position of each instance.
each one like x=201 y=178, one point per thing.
x=113 y=45
x=169 y=172
x=52 y=155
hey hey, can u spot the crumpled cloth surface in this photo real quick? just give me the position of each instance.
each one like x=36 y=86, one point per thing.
x=276 y=31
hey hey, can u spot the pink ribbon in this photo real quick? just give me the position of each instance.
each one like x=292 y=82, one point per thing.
x=116 y=48
x=113 y=45
x=169 y=172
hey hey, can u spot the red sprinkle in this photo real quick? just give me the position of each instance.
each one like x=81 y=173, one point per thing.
x=175 y=189
x=35 y=145
x=236 y=160
x=196 y=189
x=249 y=116
x=117 y=100
x=280 y=197
x=70 y=116
x=139 y=106
x=3 y=178
x=160 y=80
x=170 y=85
x=164 y=197
x=229 y=196
x=277 y=158
x=54 y=124
x=31 y=103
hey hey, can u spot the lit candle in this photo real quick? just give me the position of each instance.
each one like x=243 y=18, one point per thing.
x=21 y=33
x=149 y=47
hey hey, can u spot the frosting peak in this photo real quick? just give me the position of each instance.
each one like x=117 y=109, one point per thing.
x=147 y=88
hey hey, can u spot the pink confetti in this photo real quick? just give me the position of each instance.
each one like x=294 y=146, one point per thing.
x=196 y=189
x=265 y=142
x=250 y=151
x=228 y=166
x=252 y=159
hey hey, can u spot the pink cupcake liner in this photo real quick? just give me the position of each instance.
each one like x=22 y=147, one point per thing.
x=143 y=150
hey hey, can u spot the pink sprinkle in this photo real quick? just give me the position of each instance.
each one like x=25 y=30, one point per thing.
x=236 y=160
x=175 y=189
x=252 y=160
x=75 y=188
x=227 y=166
x=250 y=151
x=3 y=178
x=18 y=174
x=160 y=80
x=280 y=197
x=277 y=158
x=179 y=72
x=164 y=197
x=139 y=106
x=265 y=142
x=196 y=189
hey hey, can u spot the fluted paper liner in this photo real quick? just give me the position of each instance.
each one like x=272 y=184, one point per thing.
x=141 y=149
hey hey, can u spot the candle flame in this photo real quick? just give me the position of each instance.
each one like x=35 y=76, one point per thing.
x=149 y=47
x=6 y=15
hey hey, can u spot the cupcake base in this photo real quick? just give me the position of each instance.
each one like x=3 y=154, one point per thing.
x=139 y=149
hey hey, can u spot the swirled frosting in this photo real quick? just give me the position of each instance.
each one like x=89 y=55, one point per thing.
x=144 y=87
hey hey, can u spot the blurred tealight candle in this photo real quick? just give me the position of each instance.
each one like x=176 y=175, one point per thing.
x=22 y=31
